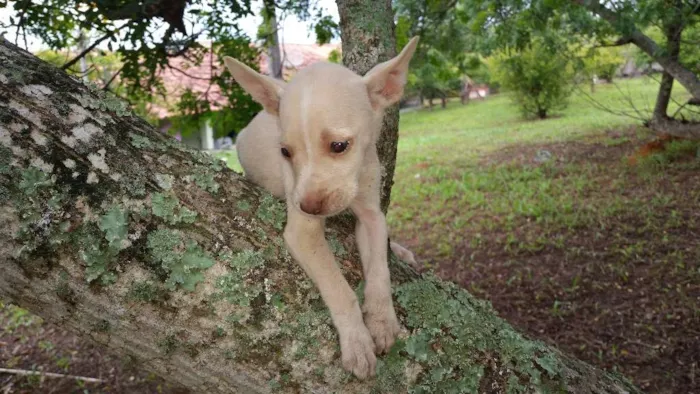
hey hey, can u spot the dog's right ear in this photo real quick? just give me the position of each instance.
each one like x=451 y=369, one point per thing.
x=385 y=82
x=263 y=89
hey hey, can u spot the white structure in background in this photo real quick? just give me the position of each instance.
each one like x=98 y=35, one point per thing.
x=207 y=136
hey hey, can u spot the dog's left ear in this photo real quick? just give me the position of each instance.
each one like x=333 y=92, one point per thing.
x=263 y=89
x=385 y=82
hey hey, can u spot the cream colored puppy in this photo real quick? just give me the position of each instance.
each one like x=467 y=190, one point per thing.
x=315 y=146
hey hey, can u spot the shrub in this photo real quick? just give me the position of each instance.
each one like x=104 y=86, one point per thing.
x=538 y=78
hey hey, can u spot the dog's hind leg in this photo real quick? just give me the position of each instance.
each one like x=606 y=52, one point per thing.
x=403 y=253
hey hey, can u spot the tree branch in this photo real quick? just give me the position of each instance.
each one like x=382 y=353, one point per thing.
x=685 y=77
x=619 y=42
x=90 y=48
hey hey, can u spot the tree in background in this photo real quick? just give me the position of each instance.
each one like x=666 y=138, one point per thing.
x=146 y=36
x=501 y=24
x=442 y=59
x=538 y=79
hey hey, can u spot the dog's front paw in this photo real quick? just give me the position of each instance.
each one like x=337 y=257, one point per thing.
x=382 y=323
x=357 y=350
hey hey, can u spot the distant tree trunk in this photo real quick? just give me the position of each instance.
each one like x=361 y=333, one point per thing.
x=273 y=45
x=367 y=34
x=683 y=75
x=443 y=100
x=673 y=46
x=164 y=256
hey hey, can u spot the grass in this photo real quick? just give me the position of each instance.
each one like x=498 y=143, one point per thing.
x=552 y=222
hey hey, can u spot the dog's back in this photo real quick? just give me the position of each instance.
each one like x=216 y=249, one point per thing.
x=258 y=152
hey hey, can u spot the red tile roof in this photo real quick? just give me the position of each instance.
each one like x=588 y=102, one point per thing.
x=183 y=75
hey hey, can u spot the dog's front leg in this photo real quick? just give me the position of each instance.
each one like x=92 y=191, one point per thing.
x=372 y=239
x=306 y=242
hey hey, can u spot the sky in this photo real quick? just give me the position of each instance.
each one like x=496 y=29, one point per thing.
x=293 y=31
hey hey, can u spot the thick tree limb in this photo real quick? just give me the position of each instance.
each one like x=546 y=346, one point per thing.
x=619 y=42
x=88 y=49
x=160 y=254
x=685 y=77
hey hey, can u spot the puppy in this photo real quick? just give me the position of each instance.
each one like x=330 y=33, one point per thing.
x=314 y=145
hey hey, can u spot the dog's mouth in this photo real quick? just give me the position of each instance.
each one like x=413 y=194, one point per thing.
x=323 y=213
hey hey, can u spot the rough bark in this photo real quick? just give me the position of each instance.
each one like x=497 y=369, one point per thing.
x=368 y=39
x=164 y=256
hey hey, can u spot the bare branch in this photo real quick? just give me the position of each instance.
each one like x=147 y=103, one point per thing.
x=619 y=42
x=114 y=76
x=23 y=372
x=185 y=73
x=90 y=48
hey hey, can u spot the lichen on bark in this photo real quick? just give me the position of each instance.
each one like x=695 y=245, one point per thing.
x=193 y=280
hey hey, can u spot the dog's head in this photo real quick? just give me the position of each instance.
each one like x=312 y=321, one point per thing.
x=330 y=118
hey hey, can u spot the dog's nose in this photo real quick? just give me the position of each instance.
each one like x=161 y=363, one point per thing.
x=312 y=206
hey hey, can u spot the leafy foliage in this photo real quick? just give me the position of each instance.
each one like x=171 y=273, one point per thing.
x=539 y=79
x=142 y=38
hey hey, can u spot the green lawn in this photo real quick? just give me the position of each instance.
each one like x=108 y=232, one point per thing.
x=550 y=220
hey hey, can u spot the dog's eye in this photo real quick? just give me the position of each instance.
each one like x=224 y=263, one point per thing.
x=285 y=153
x=339 y=147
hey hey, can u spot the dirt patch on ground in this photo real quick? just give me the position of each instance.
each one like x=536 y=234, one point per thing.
x=621 y=292
x=28 y=344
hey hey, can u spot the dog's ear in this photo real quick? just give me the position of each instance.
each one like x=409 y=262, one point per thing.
x=263 y=89
x=385 y=82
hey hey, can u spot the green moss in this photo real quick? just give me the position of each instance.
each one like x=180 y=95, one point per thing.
x=205 y=180
x=168 y=208
x=5 y=160
x=32 y=180
x=165 y=181
x=168 y=344
x=272 y=211
x=238 y=286
x=97 y=257
x=105 y=101
x=243 y=205
x=146 y=291
x=64 y=292
x=115 y=225
x=452 y=333
x=139 y=141
x=184 y=268
x=135 y=186
x=309 y=329
x=219 y=332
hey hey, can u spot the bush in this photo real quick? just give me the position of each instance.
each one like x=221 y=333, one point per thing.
x=538 y=78
x=602 y=62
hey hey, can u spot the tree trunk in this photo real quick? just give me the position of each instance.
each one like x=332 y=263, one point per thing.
x=367 y=35
x=661 y=122
x=273 y=43
x=164 y=256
